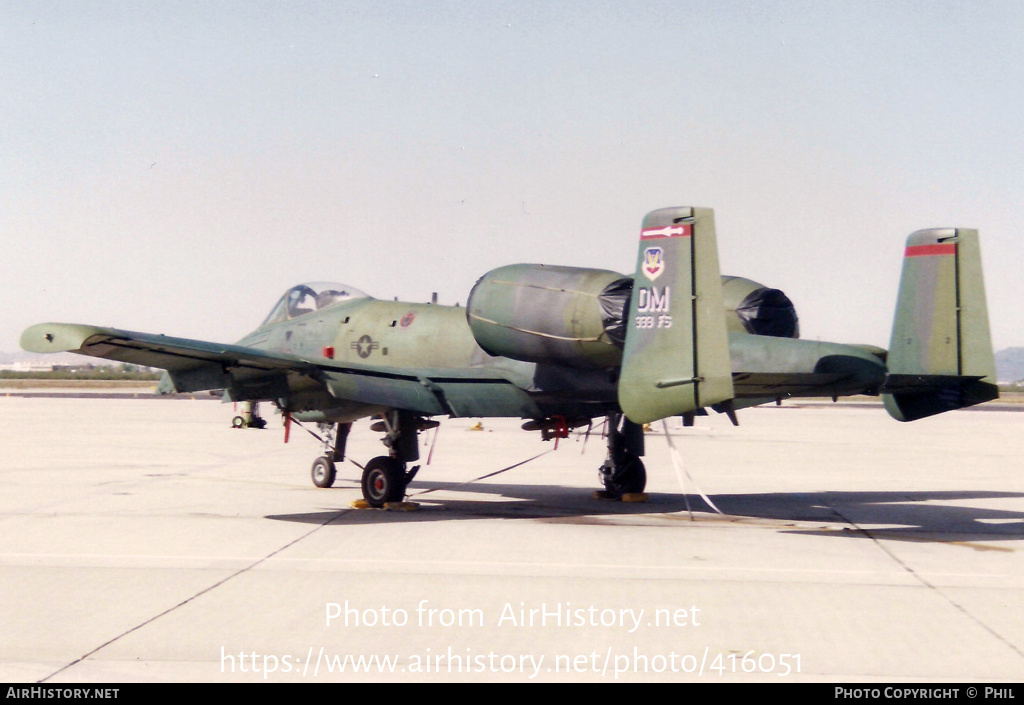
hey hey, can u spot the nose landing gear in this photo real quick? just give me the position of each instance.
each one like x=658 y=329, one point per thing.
x=324 y=468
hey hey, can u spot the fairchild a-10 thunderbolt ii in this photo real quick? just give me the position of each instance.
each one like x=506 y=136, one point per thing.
x=562 y=346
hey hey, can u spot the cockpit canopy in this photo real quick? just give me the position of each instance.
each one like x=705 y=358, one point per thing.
x=307 y=298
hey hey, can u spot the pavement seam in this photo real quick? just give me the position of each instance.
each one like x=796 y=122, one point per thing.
x=921 y=579
x=202 y=592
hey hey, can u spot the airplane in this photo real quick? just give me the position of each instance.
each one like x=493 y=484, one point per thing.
x=562 y=346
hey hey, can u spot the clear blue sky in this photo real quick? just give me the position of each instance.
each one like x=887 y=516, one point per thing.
x=173 y=167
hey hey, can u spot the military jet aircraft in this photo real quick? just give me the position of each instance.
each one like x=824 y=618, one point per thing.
x=562 y=346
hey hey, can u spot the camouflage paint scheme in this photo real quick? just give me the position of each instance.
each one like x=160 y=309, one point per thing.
x=428 y=358
x=547 y=343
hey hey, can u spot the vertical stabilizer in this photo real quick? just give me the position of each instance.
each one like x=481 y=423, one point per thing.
x=940 y=356
x=676 y=356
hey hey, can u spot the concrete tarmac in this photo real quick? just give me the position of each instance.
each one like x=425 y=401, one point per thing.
x=147 y=540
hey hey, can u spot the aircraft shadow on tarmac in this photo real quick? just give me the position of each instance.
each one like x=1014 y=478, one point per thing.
x=940 y=516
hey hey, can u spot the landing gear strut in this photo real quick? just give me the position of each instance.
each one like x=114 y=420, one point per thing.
x=385 y=477
x=324 y=468
x=623 y=472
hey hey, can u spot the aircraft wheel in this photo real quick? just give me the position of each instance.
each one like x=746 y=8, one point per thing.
x=383 y=481
x=237 y=422
x=323 y=472
x=627 y=477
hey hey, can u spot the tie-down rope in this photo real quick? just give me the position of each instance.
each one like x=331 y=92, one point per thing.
x=681 y=471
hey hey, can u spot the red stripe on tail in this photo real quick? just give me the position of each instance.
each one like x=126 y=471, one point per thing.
x=930 y=250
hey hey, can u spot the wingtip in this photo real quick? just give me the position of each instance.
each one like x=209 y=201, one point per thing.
x=55 y=337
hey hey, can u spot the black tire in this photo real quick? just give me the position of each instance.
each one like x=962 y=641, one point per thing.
x=383 y=481
x=238 y=422
x=628 y=477
x=323 y=472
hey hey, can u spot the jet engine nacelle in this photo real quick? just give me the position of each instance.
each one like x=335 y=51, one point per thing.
x=546 y=314
x=574 y=316
x=754 y=308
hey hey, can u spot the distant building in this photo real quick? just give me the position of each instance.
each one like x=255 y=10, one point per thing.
x=32 y=366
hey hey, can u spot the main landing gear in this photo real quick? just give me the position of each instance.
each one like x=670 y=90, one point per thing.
x=623 y=472
x=385 y=478
x=250 y=416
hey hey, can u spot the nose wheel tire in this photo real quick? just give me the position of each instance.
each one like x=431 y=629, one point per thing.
x=383 y=481
x=323 y=472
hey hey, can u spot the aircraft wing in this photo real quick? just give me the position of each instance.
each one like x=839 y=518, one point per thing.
x=251 y=374
x=197 y=364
